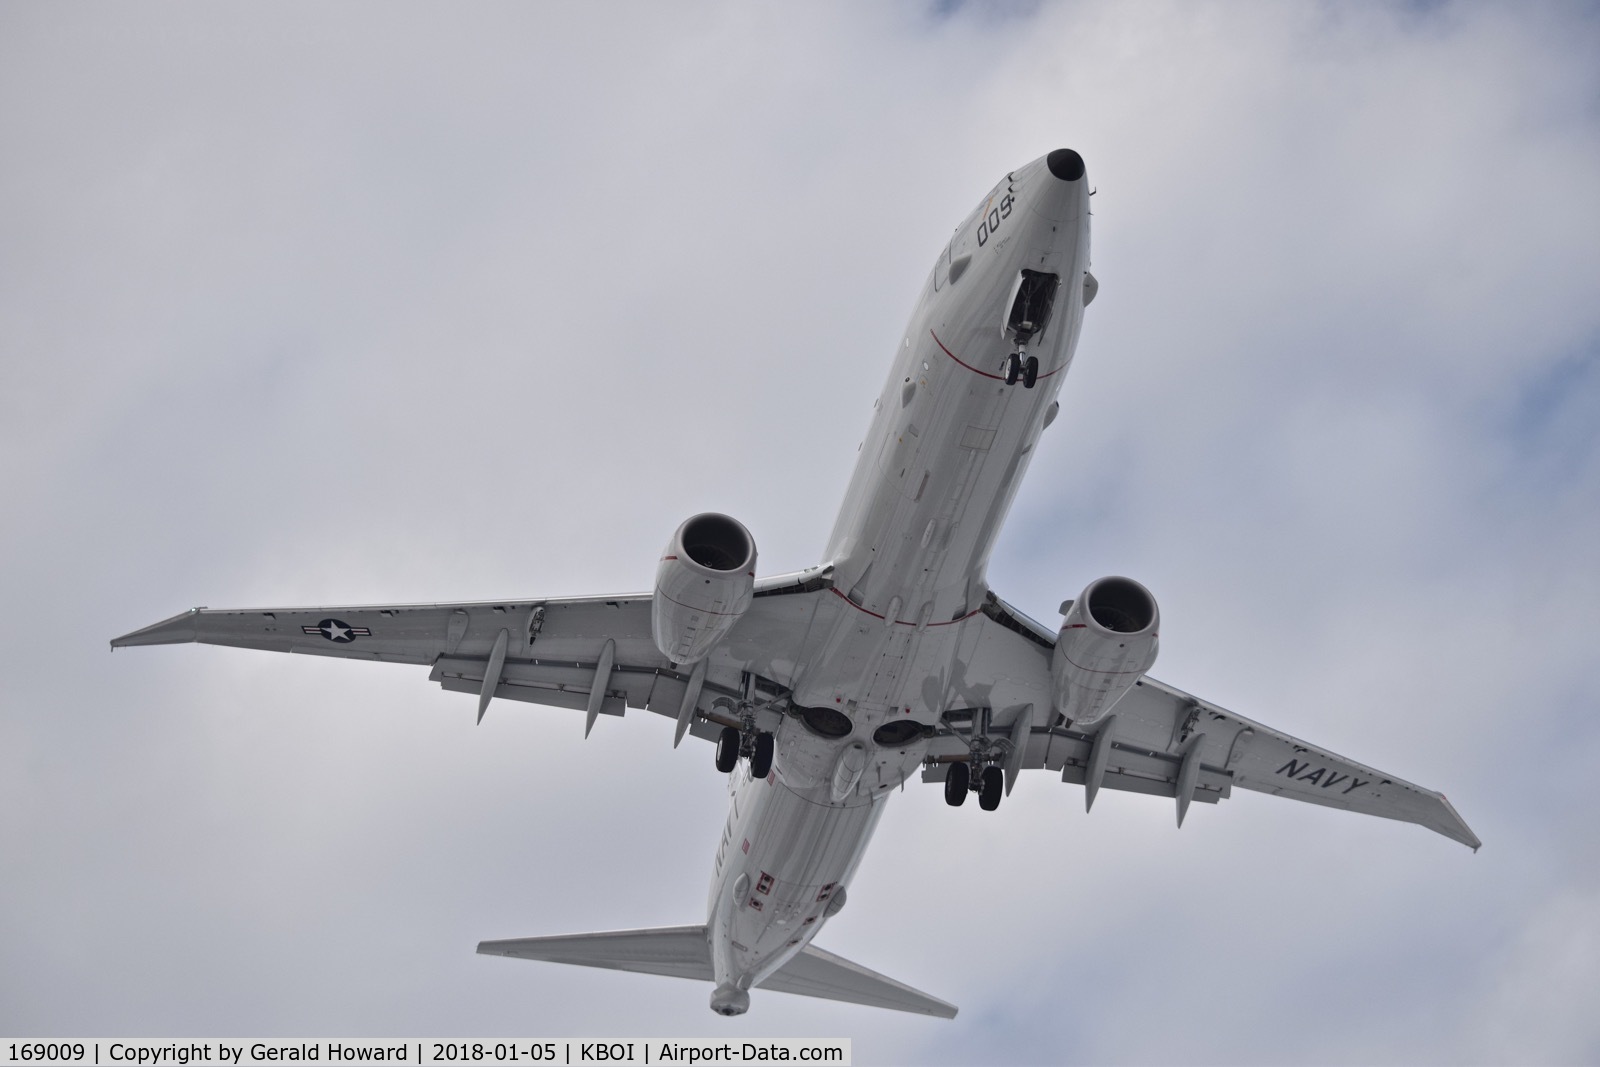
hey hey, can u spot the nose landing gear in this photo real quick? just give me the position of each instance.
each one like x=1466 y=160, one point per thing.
x=1031 y=300
x=1026 y=369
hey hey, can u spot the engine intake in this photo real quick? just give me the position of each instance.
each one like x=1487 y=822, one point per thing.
x=1107 y=642
x=704 y=583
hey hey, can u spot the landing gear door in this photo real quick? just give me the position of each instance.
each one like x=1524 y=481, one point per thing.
x=1027 y=309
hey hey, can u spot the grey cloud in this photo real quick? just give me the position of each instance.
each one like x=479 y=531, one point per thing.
x=381 y=304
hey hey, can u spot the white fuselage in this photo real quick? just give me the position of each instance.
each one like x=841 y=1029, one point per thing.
x=940 y=464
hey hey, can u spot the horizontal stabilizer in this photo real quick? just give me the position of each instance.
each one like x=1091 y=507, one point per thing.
x=685 y=952
x=677 y=951
x=815 y=973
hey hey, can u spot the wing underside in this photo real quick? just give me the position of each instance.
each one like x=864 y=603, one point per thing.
x=559 y=652
x=562 y=652
x=1161 y=741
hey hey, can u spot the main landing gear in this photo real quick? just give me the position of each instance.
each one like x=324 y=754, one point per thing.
x=761 y=755
x=980 y=770
x=756 y=744
x=957 y=783
x=990 y=787
x=1018 y=367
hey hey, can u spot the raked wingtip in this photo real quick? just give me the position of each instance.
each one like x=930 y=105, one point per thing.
x=174 y=631
x=1456 y=828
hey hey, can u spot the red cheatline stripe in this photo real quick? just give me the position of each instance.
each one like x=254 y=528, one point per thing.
x=975 y=370
x=902 y=622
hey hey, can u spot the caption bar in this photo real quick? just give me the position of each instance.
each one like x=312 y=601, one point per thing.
x=234 y=1052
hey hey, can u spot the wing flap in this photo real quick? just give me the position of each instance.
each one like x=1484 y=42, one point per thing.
x=529 y=693
x=1131 y=768
x=563 y=684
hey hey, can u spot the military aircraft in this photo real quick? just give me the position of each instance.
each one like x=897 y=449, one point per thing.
x=824 y=689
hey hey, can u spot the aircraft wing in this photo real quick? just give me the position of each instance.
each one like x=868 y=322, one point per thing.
x=1157 y=740
x=556 y=651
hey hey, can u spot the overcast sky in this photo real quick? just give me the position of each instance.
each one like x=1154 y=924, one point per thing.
x=308 y=304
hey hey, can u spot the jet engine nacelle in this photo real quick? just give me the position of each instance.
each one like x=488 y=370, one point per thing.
x=1107 y=642
x=704 y=583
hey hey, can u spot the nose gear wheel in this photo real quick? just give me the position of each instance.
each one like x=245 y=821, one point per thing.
x=1019 y=365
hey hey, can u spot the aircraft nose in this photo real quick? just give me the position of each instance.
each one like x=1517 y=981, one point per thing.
x=1065 y=164
x=1067 y=197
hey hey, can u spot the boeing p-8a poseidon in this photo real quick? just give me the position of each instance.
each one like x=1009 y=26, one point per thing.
x=825 y=689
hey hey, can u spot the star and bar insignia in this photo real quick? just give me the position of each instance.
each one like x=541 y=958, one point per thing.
x=336 y=631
